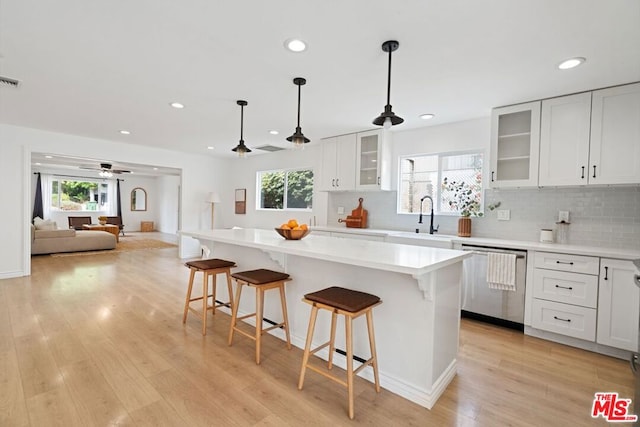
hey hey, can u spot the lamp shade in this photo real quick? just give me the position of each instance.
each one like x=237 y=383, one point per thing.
x=213 y=198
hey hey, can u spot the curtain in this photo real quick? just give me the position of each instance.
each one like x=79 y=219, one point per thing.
x=118 y=202
x=38 y=210
x=47 y=183
x=112 y=207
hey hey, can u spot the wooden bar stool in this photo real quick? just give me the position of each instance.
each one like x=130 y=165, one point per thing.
x=262 y=280
x=209 y=268
x=351 y=304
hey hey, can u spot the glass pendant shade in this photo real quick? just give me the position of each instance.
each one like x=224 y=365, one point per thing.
x=388 y=117
x=241 y=149
x=298 y=139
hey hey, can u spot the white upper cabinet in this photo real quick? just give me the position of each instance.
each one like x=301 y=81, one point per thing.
x=373 y=160
x=564 y=140
x=614 y=156
x=515 y=142
x=338 y=163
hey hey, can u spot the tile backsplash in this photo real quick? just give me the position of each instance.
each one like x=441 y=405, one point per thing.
x=601 y=216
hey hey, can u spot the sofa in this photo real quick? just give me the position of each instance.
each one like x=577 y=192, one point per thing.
x=55 y=241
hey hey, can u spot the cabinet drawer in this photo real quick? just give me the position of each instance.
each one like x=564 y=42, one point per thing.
x=570 y=263
x=570 y=288
x=565 y=319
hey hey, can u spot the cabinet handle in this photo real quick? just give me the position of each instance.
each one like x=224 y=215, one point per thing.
x=594 y=171
x=333 y=182
x=337 y=182
x=564 y=287
x=606 y=273
x=563 y=262
x=378 y=180
x=560 y=318
x=492 y=173
x=582 y=177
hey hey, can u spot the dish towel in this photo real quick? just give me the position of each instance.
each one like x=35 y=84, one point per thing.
x=501 y=271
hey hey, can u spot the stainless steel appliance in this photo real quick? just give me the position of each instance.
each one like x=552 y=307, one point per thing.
x=635 y=357
x=505 y=308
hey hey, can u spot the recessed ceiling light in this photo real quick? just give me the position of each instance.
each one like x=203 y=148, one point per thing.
x=48 y=157
x=125 y=132
x=209 y=148
x=177 y=105
x=427 y=116
x=571 y=63
x=38 y=164
x=155 y=169
x=274 y=132
x=295 y=45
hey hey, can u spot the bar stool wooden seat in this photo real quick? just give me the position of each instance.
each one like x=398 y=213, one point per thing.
x=261 y=280
x=351 y=304
x=209 y=268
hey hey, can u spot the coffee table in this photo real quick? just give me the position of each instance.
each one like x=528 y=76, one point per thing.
x=110 y=228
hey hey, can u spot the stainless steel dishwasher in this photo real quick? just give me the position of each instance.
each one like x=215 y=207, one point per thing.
x=478 y=301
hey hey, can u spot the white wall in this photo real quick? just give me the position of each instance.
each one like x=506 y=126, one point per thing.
x=244 y=176
x=168 y=204
x=201 y=174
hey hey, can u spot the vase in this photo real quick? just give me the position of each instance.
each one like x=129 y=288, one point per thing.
x=464 y=226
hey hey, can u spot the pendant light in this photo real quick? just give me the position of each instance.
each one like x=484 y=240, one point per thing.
x=388 y=117
x=241 y=149
x=298 y=138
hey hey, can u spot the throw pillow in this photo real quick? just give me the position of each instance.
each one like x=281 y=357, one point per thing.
x=47 y=224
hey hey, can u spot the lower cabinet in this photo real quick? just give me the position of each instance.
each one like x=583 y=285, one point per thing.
x=565 y=319
x=618 y=305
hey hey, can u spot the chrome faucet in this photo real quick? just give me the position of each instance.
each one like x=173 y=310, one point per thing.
x=431 y=228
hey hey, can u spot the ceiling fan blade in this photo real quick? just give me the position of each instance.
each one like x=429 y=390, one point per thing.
x=120 y=171
x=89 y=168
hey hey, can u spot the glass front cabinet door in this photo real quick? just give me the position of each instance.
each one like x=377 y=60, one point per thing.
x=373 y=160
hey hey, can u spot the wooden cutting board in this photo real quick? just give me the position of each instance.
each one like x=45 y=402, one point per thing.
x=358 y=217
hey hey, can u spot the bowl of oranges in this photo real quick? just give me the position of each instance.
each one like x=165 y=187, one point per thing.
x=291 y=230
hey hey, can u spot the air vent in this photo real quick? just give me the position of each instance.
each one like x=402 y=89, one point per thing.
x=9 y=81
x=269 y=148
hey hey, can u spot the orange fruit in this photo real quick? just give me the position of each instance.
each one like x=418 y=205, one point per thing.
x=297 y=228
x=292 y=223
x=285 y=227
x=304 y=227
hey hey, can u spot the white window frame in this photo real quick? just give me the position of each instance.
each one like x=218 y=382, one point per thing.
x=438 y=199
x=58 y=178
x=284 y=200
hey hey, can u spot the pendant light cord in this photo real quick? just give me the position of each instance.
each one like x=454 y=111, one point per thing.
x=299 y=86
x=241 y=121
x=389 y=81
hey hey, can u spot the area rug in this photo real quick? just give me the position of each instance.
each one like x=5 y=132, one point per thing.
x=125 y=245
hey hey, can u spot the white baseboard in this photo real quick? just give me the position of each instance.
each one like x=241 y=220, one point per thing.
x=11 y=274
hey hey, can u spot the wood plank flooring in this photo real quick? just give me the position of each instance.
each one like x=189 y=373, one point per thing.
x=98 y=340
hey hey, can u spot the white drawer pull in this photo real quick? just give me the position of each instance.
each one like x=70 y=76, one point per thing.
x=560 y=318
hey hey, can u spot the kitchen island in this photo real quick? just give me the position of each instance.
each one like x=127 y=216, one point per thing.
x=416 y=327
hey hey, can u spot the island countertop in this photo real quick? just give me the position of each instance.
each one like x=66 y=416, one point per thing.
x=399 y=258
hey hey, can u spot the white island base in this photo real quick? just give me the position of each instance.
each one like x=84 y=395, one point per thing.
x=416 y=326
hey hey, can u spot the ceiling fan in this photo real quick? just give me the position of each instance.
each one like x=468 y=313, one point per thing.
x=106 y=170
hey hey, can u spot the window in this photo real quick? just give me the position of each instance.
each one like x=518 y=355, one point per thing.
x=453 y=180
x=285 y=189
x=68 y=195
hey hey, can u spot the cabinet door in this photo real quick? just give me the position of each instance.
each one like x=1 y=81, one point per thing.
x=329 y=166
x=618 y=305
x=564 y=140
x=373 y=161
x=614 y=156
x=515 y=143
x=345 y=162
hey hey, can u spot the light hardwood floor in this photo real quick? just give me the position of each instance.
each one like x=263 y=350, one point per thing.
x=98 y=340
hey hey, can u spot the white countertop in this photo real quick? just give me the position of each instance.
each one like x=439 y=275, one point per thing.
x=414 y=260
x=625 y=254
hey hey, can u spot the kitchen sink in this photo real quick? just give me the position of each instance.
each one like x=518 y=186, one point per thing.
x=421 y=239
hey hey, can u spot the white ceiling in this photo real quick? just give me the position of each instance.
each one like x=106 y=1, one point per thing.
x=92 y=67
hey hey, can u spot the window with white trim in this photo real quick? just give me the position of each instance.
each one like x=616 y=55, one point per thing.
x=85 y=195
x=285 y=189
x=453 y=180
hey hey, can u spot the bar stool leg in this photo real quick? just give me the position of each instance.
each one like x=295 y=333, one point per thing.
x=283 y=303
x=348 y=326
x=213 y=292
x=229 y=288
x=205 y=299
x=307 y=346
x=372 y=346
x=186 y=303
x=234 y=311
x=259 y=317
x=332 y=340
